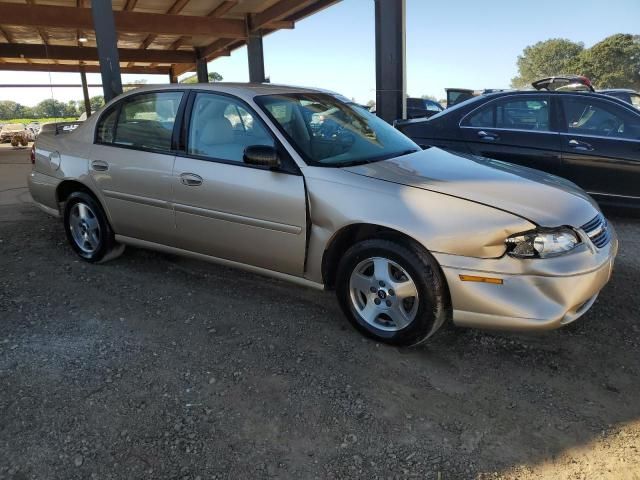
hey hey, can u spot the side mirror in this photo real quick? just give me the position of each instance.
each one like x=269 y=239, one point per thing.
x=262 y=156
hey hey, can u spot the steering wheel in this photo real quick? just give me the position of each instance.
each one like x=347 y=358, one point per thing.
x=609 y=126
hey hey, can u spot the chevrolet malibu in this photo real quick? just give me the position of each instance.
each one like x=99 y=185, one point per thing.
x=303 y=185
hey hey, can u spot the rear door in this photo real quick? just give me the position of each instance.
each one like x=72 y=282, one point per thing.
x=231 y=210
x=601 y=146
x=132 y=163
x=518 y=129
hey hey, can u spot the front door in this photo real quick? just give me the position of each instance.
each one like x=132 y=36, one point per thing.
x=132 y=163
x=601 y=148
x=516 y=129
x=230 y=210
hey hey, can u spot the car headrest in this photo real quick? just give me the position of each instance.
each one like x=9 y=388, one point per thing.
x=216 y=131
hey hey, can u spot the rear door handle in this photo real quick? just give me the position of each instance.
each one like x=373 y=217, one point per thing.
x=99 y=166
x=579 y=145
x=191 y=179
x=488 y=135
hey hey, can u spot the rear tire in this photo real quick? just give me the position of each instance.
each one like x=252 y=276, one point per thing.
x=88 y=230
x=392 y=291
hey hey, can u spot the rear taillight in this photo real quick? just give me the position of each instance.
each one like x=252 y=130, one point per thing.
x=33 y=154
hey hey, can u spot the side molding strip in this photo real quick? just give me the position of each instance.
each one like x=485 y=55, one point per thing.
x=134 y=242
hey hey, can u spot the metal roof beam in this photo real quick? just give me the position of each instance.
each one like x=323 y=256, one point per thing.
x=58 y=52
x=125 y=21
x=48 y=67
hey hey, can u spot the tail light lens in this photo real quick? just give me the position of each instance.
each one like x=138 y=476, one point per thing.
x=33 y=154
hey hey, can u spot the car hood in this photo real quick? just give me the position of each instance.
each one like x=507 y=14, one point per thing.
x=541 y=198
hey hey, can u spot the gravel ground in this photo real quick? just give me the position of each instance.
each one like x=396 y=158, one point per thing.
x=154 y=366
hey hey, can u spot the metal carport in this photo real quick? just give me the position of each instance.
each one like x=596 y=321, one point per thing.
x=176 y=36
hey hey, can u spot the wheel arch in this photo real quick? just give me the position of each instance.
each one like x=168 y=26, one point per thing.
x=348 y=236
x=67 y=187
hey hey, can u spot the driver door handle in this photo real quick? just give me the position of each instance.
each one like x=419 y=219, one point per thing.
x=579 y=145
x=488 y=135
x=191 y=179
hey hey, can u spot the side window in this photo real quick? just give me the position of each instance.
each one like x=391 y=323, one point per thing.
x=146 y=121
x=221 y=128
x=106 y=127
x=514 y=114
x=531 y=114
x=584 y=116
x=483 y=118
x=635 y=100
x=432 y=106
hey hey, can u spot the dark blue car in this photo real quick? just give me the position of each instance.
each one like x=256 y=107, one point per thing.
x=589 y=138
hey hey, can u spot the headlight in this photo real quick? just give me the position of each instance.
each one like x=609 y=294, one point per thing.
x=542 y=243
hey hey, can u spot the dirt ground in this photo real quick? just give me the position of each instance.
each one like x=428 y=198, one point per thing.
x=154 y=366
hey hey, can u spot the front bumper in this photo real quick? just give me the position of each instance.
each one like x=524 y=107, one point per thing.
x=536 y=294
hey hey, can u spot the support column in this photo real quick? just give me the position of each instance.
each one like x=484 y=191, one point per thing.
x=255 y=55
x=201 y=70
x=85 y=91
x=391 y=87
x=173 y=78
x=107 y=43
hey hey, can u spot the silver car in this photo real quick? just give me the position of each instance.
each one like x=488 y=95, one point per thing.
x=305 y=186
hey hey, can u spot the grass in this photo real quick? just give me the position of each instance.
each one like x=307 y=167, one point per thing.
x=42 y=121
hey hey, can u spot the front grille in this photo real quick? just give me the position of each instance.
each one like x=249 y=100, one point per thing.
x=597 y=230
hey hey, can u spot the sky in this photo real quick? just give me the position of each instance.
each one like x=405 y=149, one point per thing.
x=454 y=43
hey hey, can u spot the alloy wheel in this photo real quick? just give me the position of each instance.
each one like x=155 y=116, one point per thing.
x=84 y=228
x=383 y=294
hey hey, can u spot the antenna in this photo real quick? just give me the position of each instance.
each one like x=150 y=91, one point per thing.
x=53 y=100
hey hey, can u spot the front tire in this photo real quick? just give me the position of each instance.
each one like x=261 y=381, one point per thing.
x=88 y=230
x=393 y=292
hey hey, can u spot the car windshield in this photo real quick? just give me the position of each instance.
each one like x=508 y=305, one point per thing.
x=329 y=132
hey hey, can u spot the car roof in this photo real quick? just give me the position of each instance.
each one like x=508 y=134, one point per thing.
x=486 y=97
x=598 y=94
x=243 y=90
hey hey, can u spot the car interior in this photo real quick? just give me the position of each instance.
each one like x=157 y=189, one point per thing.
x=588 y=119
x=147 y=122
x=221 y=128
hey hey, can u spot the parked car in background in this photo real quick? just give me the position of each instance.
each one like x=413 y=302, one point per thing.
x=35 y=127
x=408 y=238
x=567 y=83
x=459 y=95
x=16 y=134
x=422 y=107
x=624 y=94
x=588 y=138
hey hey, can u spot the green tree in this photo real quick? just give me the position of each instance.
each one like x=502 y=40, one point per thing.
x=213 y=77
x=71 y=109
x=8 y=109
x=545 y=59
x=614 y=62
x=97 y=102
x=50 y=108
x=135 y=84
